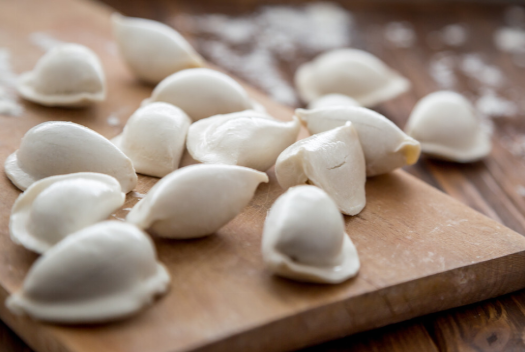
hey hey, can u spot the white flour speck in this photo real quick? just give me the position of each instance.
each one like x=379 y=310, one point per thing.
x=520 y=190
x=491 y=104
x=113 y=120
x=441 y=69
x=400 y=34
x=254 y=46
x=509 y=39
x=454 y=35
x=137 y=194
x=44 y=41
x=8 y=100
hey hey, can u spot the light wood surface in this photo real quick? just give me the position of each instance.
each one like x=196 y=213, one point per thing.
x=421 y=251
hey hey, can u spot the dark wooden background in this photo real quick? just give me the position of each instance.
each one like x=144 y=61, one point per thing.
x=494 y=186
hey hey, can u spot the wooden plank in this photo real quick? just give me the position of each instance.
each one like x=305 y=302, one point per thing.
x=403 y=337
x=421 y=251
x=495 y=325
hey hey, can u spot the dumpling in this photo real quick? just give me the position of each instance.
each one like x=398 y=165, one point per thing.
x=196 y=200
x=152 y=50
x=331 y=100
x=385 y=146
x=55 y=207
x=104 y=272
x=247 y=138
x=304 y=238
x=332 y=160
x=58 y=148
x=154 y=138
x=447 y=127
x=67 y=75
x=202 y=93
x=355 y=73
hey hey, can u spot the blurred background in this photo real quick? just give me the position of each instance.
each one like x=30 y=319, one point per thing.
x=474 y=48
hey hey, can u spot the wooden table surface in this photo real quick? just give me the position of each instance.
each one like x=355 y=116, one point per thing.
x=493 y=186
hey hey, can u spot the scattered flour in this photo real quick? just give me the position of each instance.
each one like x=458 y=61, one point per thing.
x=510 y=39
x=520 y=190
x=516 y=146
x=113 y=120
x=400 y=34
x=255 y=45
x=8 y=99
x=441 y=69
x=444 y=67
x=473 y=66
x=454 y=35
x=137 y=194
x=44 y=41
x=491 y=104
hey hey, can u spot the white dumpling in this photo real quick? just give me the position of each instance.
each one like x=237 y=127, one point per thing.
x=154 y=138
x=330 y=100
x=386 y=147
x=246 y=138
x=57 y=148
x=67 y=75
x=104 y=272
x=152 y=50
x=447 y=127
x=355 y=73
x=196 y=200
x=55 y=207
x=304 y=238
x=332 y=160
x=202 y=93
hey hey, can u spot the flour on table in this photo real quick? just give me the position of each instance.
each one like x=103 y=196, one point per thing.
x=8 y=100
x=254 y=46
x=44 y=41
x=491 y=104
x=113 y=120
x=520 y=190
x=137 y=194
x=454 y=35
x=441 y=69
x=400 y=34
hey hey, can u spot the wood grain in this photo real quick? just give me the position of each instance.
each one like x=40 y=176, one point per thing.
x=400 y=278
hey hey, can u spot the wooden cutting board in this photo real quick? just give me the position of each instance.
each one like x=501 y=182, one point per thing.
x=421 y=251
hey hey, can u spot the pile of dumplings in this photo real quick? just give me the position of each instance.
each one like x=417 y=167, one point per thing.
x=94 y=270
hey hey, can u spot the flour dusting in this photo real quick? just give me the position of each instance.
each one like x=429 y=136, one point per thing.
x=256 y=44
x=44 y=41
x=400 y=34
x=8 y=100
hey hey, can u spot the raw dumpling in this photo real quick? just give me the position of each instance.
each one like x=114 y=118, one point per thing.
x=304 y=238
x=331 y=100
x=154 y=138
x=247 y=138
x=67 y=75
x=385 y=146
x=355 y=73
x=58 y=148
x=55 y=207
x=332 y=160
x=202 y=93
x=104 y=272
x=196 y=200
x=152 y=50
x=447 y=127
